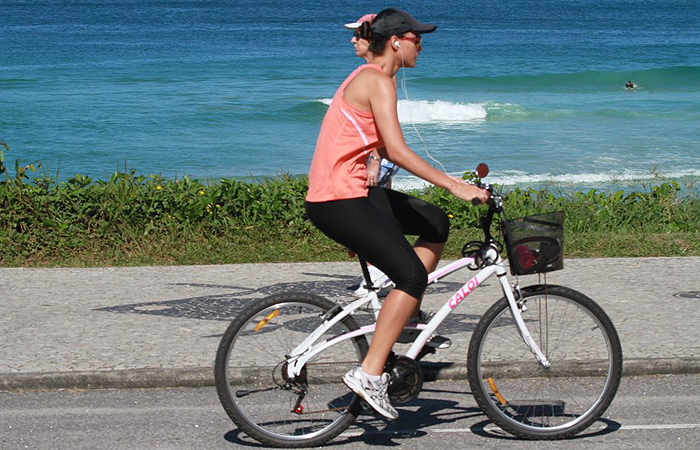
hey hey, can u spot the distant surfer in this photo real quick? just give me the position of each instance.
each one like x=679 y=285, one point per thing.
x=630 y=86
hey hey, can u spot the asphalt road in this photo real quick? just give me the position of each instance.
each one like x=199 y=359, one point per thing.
x=653 y=412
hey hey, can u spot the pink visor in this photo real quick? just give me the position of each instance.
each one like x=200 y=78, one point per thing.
x=360 y=21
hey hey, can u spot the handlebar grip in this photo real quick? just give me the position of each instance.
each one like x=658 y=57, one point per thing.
x=476 y=202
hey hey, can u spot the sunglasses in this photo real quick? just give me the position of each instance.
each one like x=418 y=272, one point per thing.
x=416 y=40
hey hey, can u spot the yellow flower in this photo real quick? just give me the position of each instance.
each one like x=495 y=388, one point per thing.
x=158 y=188
x=451 y=216
x=201 y=192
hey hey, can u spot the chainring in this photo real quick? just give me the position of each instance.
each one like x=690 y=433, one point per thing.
x=406 y=380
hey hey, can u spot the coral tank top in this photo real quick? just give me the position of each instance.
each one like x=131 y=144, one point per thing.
x=339 y=166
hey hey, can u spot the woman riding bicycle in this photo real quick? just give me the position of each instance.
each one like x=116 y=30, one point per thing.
x=372 y=222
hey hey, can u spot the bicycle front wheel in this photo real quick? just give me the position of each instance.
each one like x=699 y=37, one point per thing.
x=527 y=399
x=252 y=382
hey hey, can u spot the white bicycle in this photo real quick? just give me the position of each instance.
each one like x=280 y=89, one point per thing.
x=544 y=362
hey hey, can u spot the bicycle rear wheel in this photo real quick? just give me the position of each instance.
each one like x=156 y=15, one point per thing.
x=251 y=380
x=528 y=400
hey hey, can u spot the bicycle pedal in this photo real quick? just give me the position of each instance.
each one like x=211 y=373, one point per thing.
x=426 y=350
x=439 y=342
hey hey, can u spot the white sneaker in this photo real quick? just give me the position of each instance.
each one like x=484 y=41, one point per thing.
x=379 y=281
x=373 y=392
x=408 y=336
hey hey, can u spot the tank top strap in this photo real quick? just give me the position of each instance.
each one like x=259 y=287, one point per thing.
x=355 y=72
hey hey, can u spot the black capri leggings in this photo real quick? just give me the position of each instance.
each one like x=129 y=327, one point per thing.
x=374 y=228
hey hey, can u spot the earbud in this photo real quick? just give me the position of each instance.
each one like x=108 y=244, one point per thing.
x=397 y=45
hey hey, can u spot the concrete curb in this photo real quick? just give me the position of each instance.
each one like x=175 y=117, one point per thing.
x=108 y=379
x=630 y=367
x=204 y=376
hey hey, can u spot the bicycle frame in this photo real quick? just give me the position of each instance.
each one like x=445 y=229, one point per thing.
x=309 y=348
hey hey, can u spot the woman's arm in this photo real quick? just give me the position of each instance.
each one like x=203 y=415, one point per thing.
x=383 y=105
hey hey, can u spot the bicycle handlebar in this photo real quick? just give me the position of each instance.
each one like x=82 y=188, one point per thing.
x=487 y=187
x=495 y=207
x=495 y=204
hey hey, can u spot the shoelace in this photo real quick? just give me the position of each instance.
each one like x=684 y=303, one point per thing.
x=379 y=389
x=381 y=393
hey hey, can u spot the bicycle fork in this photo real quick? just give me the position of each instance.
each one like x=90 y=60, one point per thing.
x=508 y=291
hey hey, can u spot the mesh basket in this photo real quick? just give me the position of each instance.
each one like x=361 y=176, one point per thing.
x=535 y=244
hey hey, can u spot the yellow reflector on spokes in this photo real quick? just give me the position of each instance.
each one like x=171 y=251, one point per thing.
x=495 y=391
x=269 y=317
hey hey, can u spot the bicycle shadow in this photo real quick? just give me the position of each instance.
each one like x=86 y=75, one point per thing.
x=417 y=418
x=373 y=430
x=487 y=429
x=227 y=305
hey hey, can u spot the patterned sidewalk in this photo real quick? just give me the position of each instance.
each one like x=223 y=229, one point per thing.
x=160 y=326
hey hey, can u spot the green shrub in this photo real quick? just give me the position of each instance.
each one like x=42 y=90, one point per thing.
x=138 y=219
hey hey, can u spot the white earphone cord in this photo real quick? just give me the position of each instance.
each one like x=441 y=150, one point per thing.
x=410 y=112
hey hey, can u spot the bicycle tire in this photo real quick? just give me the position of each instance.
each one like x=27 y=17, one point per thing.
x=521 y=396
x=249 y=365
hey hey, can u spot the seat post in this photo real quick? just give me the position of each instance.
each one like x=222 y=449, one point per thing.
x=365 y=271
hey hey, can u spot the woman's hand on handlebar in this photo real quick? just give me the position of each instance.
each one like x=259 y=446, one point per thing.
x=469 y=192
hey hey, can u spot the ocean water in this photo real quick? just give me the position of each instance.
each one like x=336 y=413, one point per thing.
x=214 y=89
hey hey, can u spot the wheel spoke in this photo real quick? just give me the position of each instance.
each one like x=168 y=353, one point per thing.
x=311 y=407
x=585 y=356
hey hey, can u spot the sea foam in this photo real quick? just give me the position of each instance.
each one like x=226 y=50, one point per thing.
x=602 y=181
x=438 y=111
x=424 y=111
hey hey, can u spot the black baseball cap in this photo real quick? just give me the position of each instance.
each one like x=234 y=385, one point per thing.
x=394 y=22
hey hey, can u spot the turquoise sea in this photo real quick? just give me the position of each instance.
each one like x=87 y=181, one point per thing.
x=238 y=88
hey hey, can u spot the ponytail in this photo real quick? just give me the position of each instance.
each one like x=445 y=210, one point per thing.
x=364 y=31
x=376 y=42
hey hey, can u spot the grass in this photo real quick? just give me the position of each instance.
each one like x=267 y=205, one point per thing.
x=134 y=219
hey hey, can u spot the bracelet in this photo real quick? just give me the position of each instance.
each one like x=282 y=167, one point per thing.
x=376 y=158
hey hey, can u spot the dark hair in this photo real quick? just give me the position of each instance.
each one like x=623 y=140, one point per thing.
x=364 y=31
x=377 y=42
